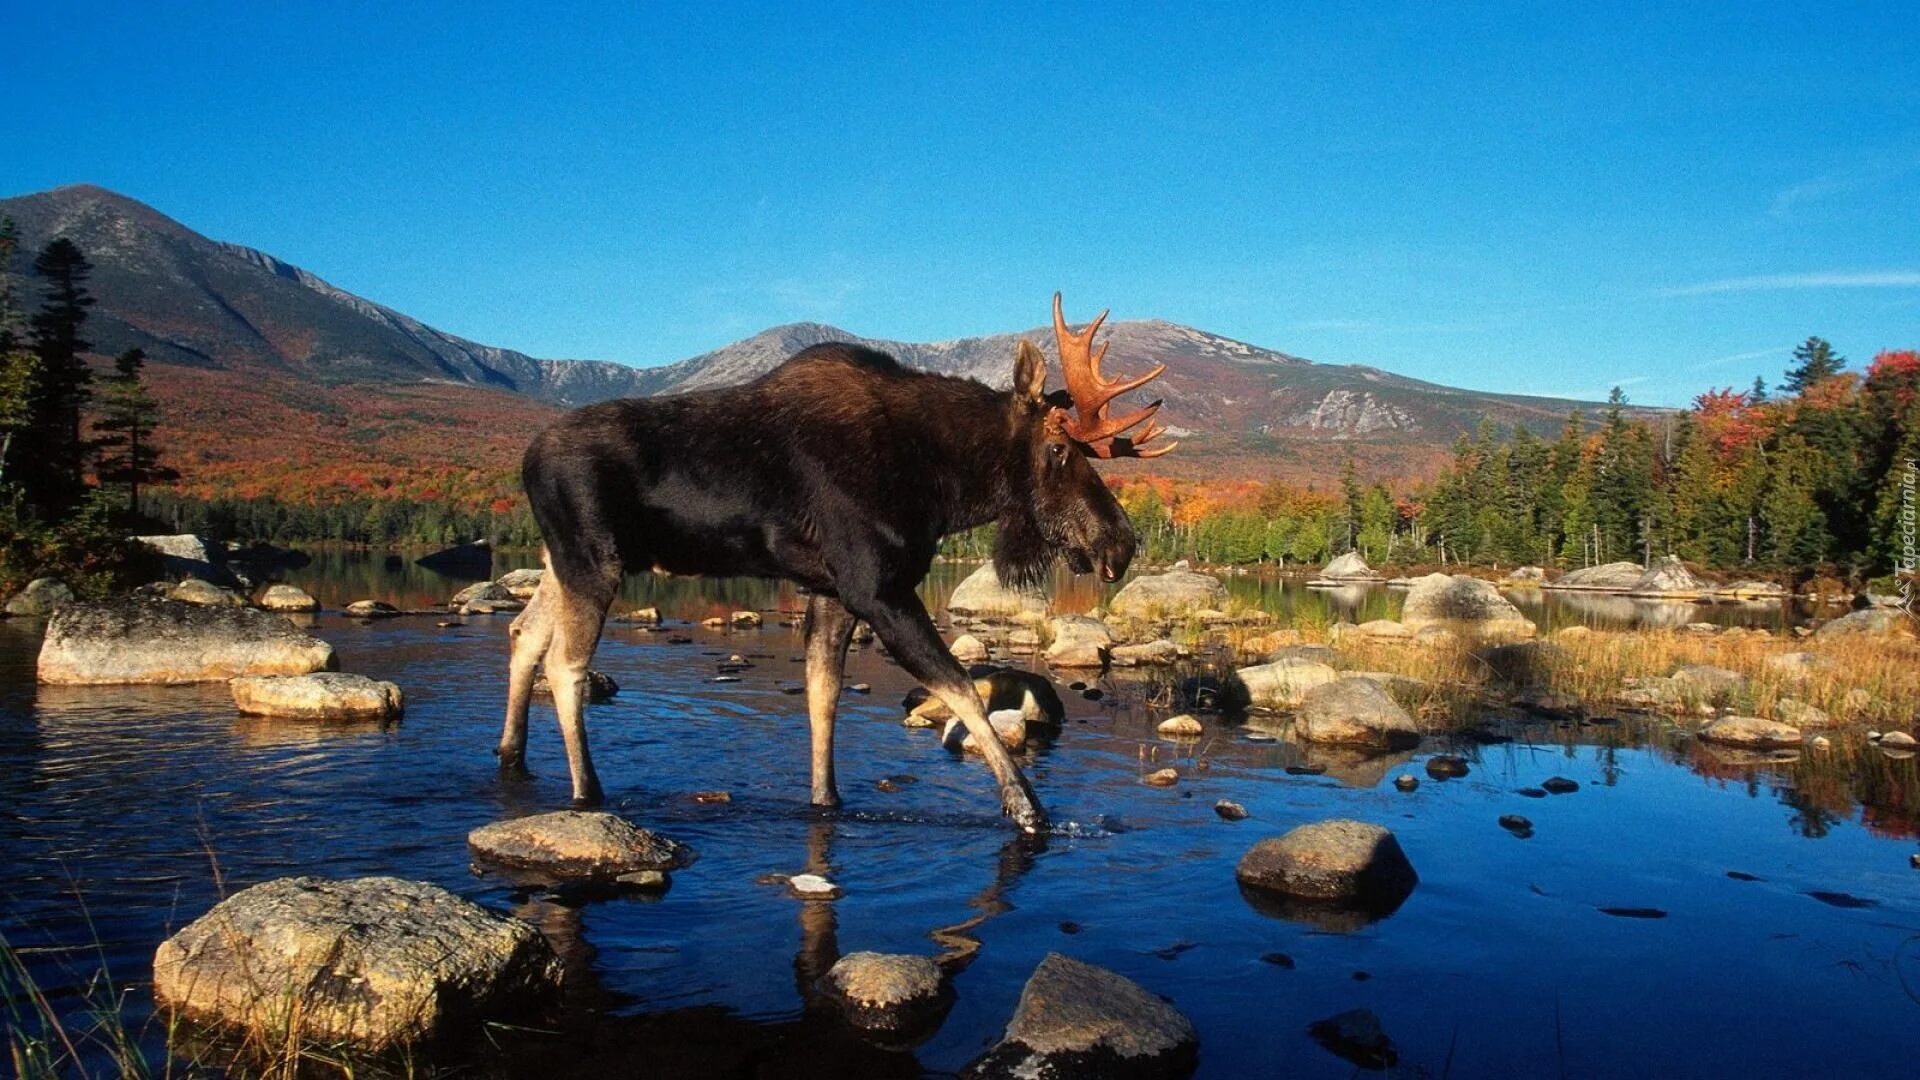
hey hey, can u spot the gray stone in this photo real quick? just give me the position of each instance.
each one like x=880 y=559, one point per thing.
x=576 y=844
x=1008 y=724
x=1886 y=622
x=980 y=595
x=600 y=687
x=1751 y=732
x=324 y=696
x=1178 y=593
x=1338 y=860
x=142 y=640
x=196 y=591
x=1283 y=683
x=1800 y=714
x=481 y=590
x=1354 y=712
x=1669 y=578
x=1182 y=726
x=1797 y=665
x=1156 y=652
x=886 y=992
x=374 y=962
x=1349 y=567
x=1463 y=604
x=521 y=583
x=288 y=598
x=371 y=609
x=1611 y=577
x=1078 y=642
x=39 y=598
x=1077 y=1020
x=968 y=649
x=1704 y=682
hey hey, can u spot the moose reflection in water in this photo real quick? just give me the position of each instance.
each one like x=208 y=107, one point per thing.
x=840 y=470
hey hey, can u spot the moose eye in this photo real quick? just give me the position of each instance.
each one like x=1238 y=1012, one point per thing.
x=1057 y=452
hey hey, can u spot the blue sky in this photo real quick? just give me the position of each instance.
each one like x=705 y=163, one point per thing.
x=1517 y=199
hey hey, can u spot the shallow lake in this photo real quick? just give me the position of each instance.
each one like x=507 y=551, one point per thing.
x=124 y=813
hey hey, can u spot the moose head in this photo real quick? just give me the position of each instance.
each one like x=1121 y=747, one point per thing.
x=1060 y=506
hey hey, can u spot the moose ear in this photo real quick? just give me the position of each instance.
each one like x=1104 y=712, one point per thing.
x=1029 y=371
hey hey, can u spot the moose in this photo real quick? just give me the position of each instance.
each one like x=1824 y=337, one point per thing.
x=839 y=470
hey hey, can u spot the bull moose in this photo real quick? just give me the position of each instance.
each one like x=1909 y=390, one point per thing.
x=839 y=470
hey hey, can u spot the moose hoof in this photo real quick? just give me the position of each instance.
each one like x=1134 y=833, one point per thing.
x=1026 y=814
x=513 y=767
x=829 y=801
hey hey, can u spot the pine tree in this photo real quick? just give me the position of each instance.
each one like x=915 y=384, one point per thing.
x=1758 y=395
x=128 y=416
x=1814 y=362
x=1351 y=499
x=53 y=478
x=1795 y=528
x=19 y=367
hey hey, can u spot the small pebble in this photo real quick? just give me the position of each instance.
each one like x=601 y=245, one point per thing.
x=1532 y=793
x=1278 y=959
x=793 y=691
x=1559 y=785
x=644 y=879
x=1405 y=782
x=1914 y=861
x=1162 y=778
x=726 y=678
x=1445 y=767
x=1230 y=810
x=447 y=625
x=1517 y=825
x=1182 y=726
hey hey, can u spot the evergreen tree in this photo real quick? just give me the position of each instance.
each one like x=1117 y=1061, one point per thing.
x=19 y=367
x=1814 y=362
x=128 y=416
x=1350 y=504
x=53 y=477
x=1795 y=528
x=1758 y=395
x=1377 y=519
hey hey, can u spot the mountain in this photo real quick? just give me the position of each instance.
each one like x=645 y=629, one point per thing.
x=277 y=382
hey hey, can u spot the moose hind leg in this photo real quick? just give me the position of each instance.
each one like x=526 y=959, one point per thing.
x=528 y=638
x=577 y=617
x=829 y=628
x=909 y=634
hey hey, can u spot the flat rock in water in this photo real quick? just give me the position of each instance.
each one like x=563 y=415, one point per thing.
x=288 y=598
x=1354 y=712
x=140 y=640
x=322 y=696
x=481 y=590
x=196 y=591
x=1611 y=577
x=1183 y=726
x=1075 y=1020
x=1078 y=642
x=887 y=992
x=1339 y=860
x=981 y=596
x=374 y=962
x=1751 y=732
x=1160 y=651
x=1177 y=593
x=1283 y=683
x=39 y=597
x=576 y=844
x=1463 y=604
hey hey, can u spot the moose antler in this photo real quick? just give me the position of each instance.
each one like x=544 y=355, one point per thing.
x=1099 y=433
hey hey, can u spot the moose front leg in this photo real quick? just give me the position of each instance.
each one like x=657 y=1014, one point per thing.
x=829 y=627
x=908 y=633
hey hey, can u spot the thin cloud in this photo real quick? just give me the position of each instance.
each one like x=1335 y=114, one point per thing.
x=1839 y=182
x=1872 y=279
x=1738 y=358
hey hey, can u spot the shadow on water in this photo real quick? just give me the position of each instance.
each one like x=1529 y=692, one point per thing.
x=1787 y=946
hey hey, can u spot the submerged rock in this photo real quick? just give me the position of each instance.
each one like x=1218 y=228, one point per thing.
x=1750 y=732
x=888 y=993
x=324 y=696
x=1354 y=712
x=1075 y=1020
x=576 y=844
x=288 y=598
x=40 y=597
x=981 y=596
x=1465 y=604
x=374 y=962
x=600 y=687
x=1356 y=1036
x=138 y=640
x=1230 y=810
x=1176 y=594
x=480 y=590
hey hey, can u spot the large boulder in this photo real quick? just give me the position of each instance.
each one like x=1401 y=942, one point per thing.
x=1609 y=577
x=576 y=844
x=1348 y=567
x=325 y=696
x=1463 y=604
x=373 y=962
x=981 y=596
x=141 y=640
x=288 y=598
x=1175 y=594
x=40 y=597
x=1669 y=579
x=1078 y=642
x=1283 y=683
x=466 y=560
x=186 y=555
x=481 y=590
x=1331 y=861
x=882 y=992
x=1077 y=1020
x=521 y=583
x=1354 y=712
x=1883 y=622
